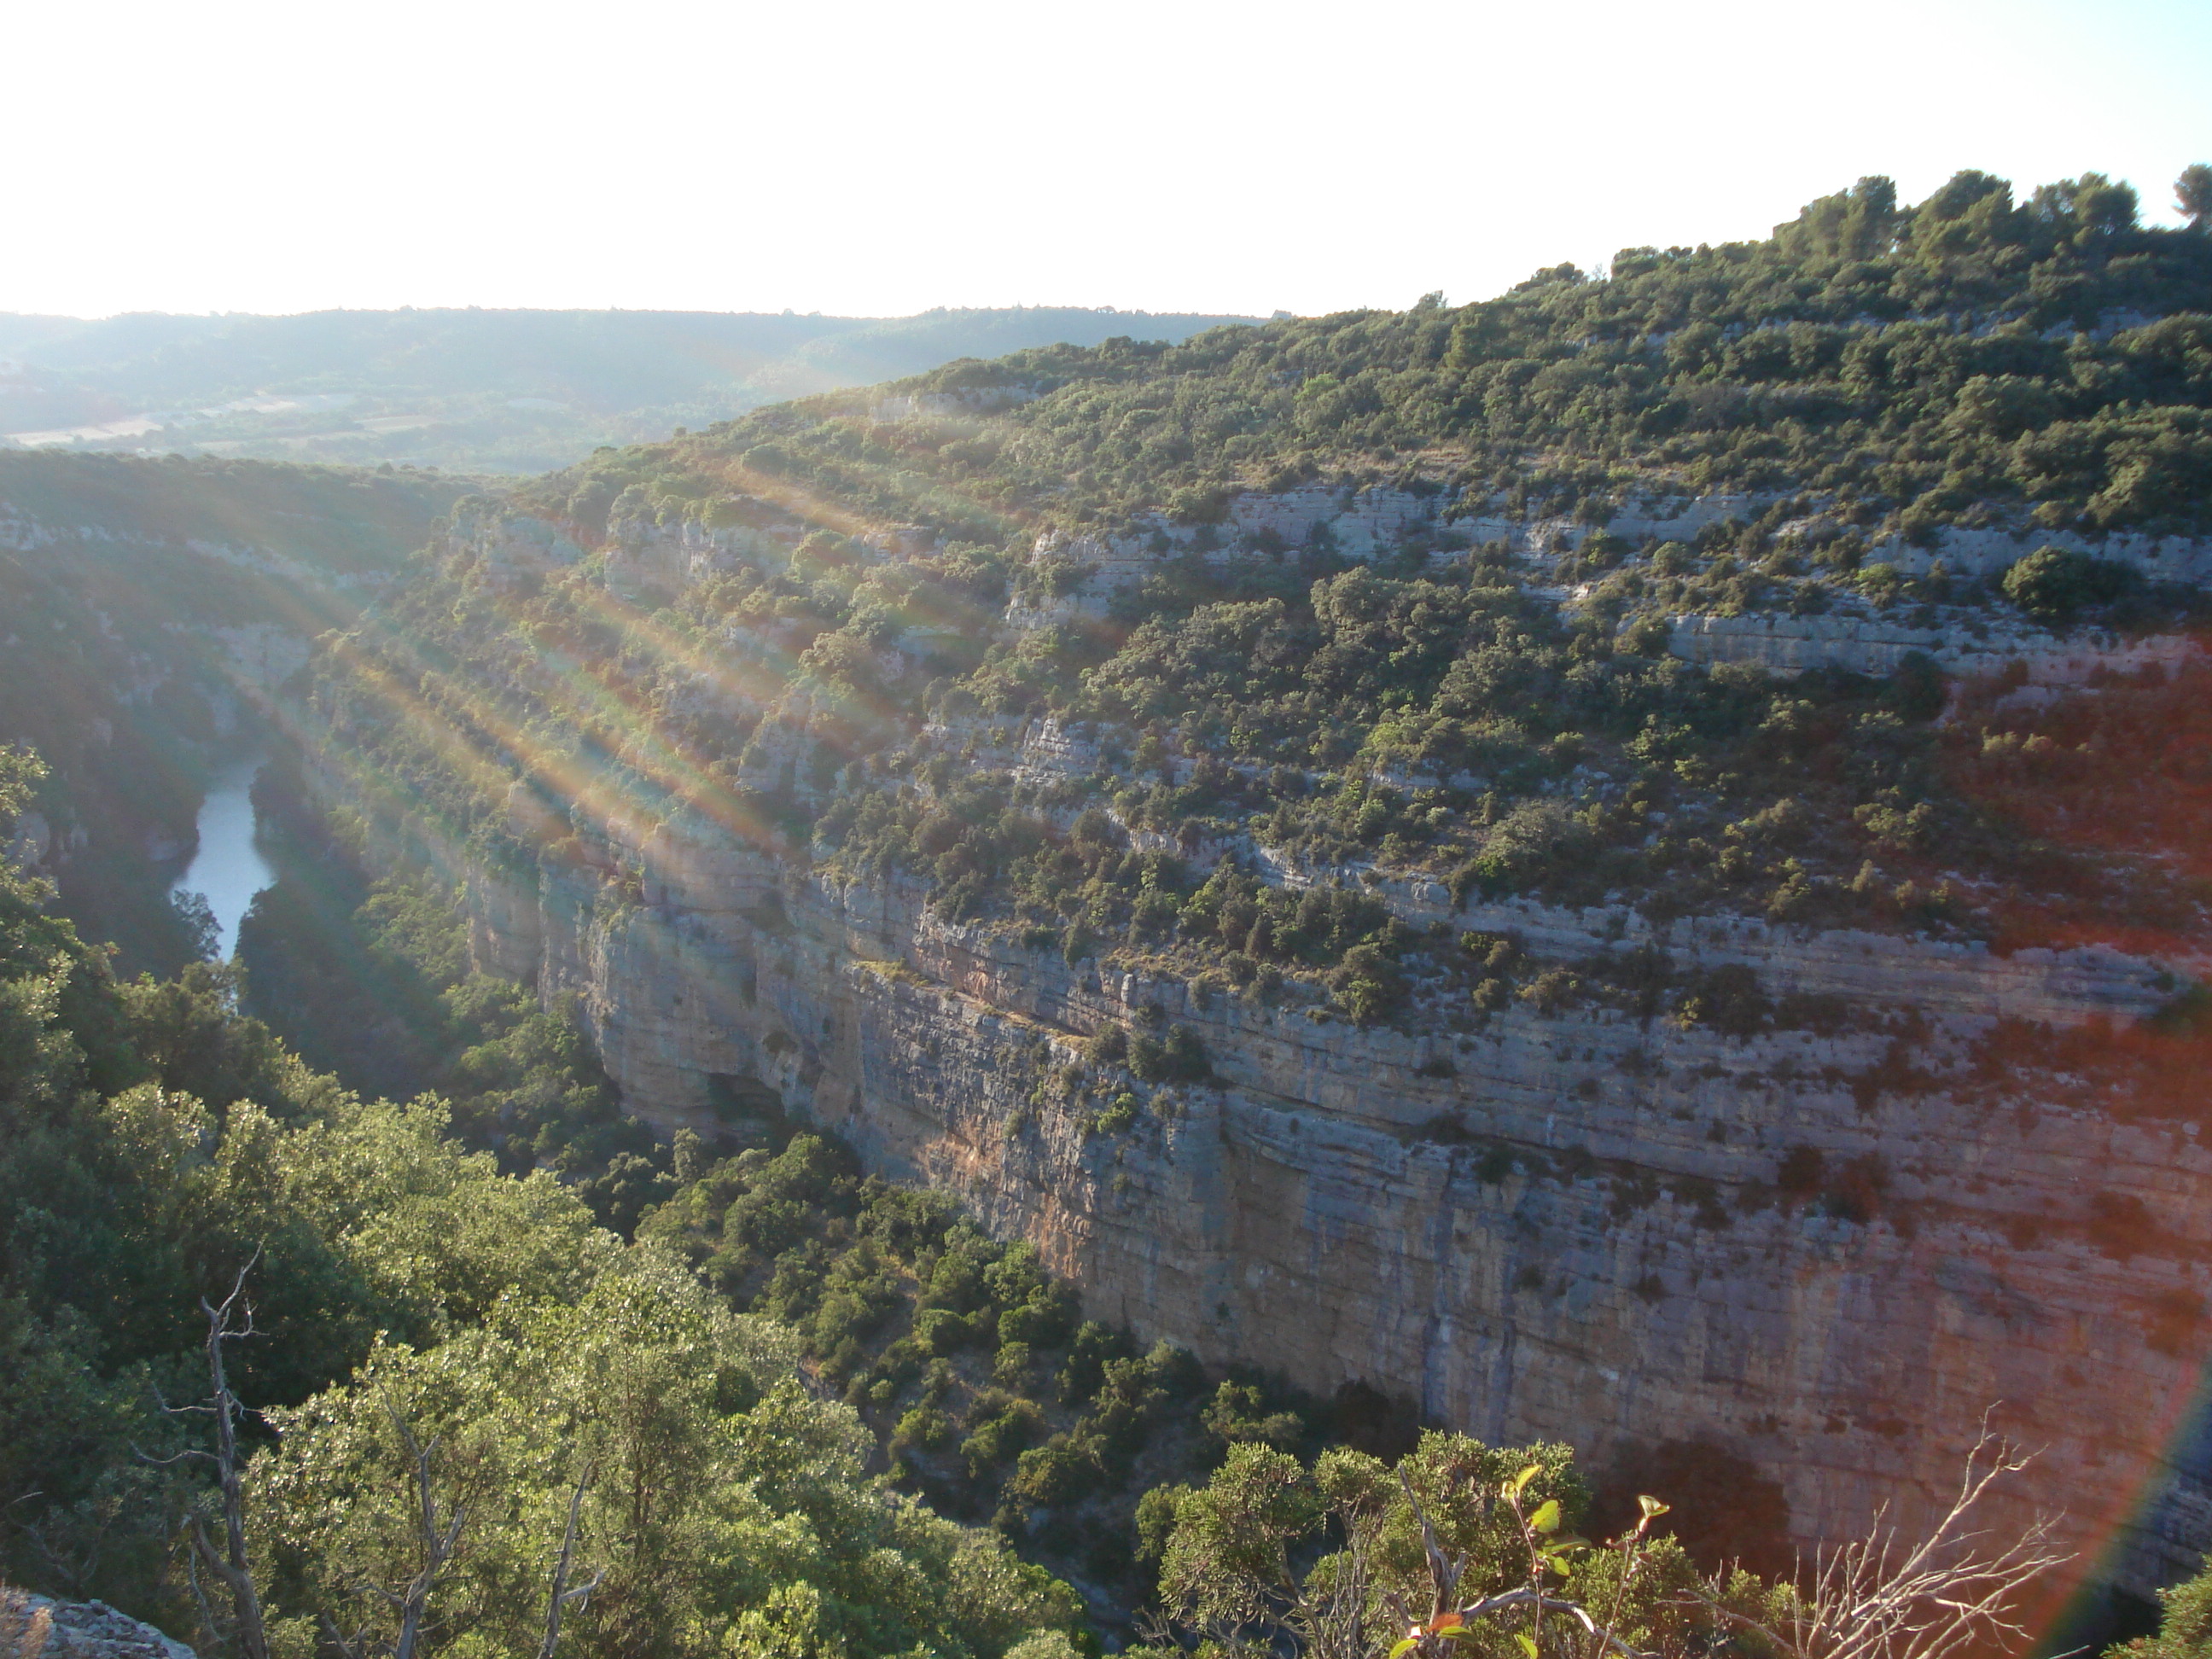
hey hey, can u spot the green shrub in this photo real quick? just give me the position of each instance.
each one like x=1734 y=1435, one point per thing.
x=2056 y=584
x=1177 y=1057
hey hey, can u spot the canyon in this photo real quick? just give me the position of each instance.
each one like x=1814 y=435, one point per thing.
x=1829 y=1249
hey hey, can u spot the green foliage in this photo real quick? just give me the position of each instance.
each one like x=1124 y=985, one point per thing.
x=2184 y=1630
x=1512 y=724
x=1177 y=1057
x=2192 y=194
x=1290 y=712
x=1056 y=1433
x=1238 y=1413
x=373 y=980
x=1341 y=1555
x=339 y=518
x=154 y=1144
x=1268 y=751
x=722 y=1506
x=2056 y=584
x=120 y=1212
x=1834 y=352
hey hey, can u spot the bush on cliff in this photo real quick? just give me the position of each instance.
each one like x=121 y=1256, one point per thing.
x=2057 y=584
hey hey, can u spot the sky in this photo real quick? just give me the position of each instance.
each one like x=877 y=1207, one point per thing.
x=872 y=159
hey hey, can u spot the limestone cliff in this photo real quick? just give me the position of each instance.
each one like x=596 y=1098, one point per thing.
x=1828 y=1241
x=1579 y=1224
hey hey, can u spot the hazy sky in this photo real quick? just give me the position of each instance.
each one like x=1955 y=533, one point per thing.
x=885 y=158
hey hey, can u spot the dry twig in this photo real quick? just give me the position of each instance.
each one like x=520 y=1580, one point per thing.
x=1952 y=1593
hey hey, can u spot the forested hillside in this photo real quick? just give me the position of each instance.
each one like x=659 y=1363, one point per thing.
x=161 y=1150
x=1347 y=685
x=1508 y=719
x=457 y=1399
x=985 y=1388
x=1921 y=366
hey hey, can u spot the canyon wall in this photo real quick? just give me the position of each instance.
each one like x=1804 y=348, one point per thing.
x=1561 y=1227
x=1834 y=1246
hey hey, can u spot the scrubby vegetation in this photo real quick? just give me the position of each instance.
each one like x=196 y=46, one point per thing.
x=338 y=519
x=371 y=980
x=990 y=1393
x=425 y=1327
x=817 y=646
x=1933 y=362
x=1444 y=725
x=834 y=683
x=2184 y=1625
x=987 y=1392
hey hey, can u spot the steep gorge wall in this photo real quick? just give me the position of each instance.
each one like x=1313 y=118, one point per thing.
x=1560 y=1225
x=1640 y=1285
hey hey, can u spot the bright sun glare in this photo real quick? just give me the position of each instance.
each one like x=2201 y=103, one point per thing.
x=873 y=158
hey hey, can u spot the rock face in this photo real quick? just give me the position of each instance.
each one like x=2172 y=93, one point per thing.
x=1790 y=645
x=34 y=1627
x=1573 y=1226
x=1372 y=522
x=1833 y=1245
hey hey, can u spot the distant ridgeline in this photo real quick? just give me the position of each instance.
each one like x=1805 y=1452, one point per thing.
x=474 y=390
x=339 y=520
x=1620 y=865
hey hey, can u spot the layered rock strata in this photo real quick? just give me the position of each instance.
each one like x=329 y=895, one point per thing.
x=1830 y=1246
x=1570 y=1225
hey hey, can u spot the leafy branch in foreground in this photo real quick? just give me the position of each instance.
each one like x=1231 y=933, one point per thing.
x=1463 y=1550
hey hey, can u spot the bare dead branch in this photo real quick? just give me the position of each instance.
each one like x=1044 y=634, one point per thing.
x=1444 y=1571
x=354 y=1647
x=232 y=1566
x=562 y=1595
x=199 y=1599
x=1876 y=1598
x=438 y=1542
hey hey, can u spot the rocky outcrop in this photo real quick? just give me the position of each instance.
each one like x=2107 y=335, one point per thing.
x=36 y=1627
x=507 y=547
x=1361 y=524
x=1877 y=645
x=1373 y=522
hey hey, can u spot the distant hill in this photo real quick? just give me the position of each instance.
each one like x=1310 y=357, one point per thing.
x=474 y=391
